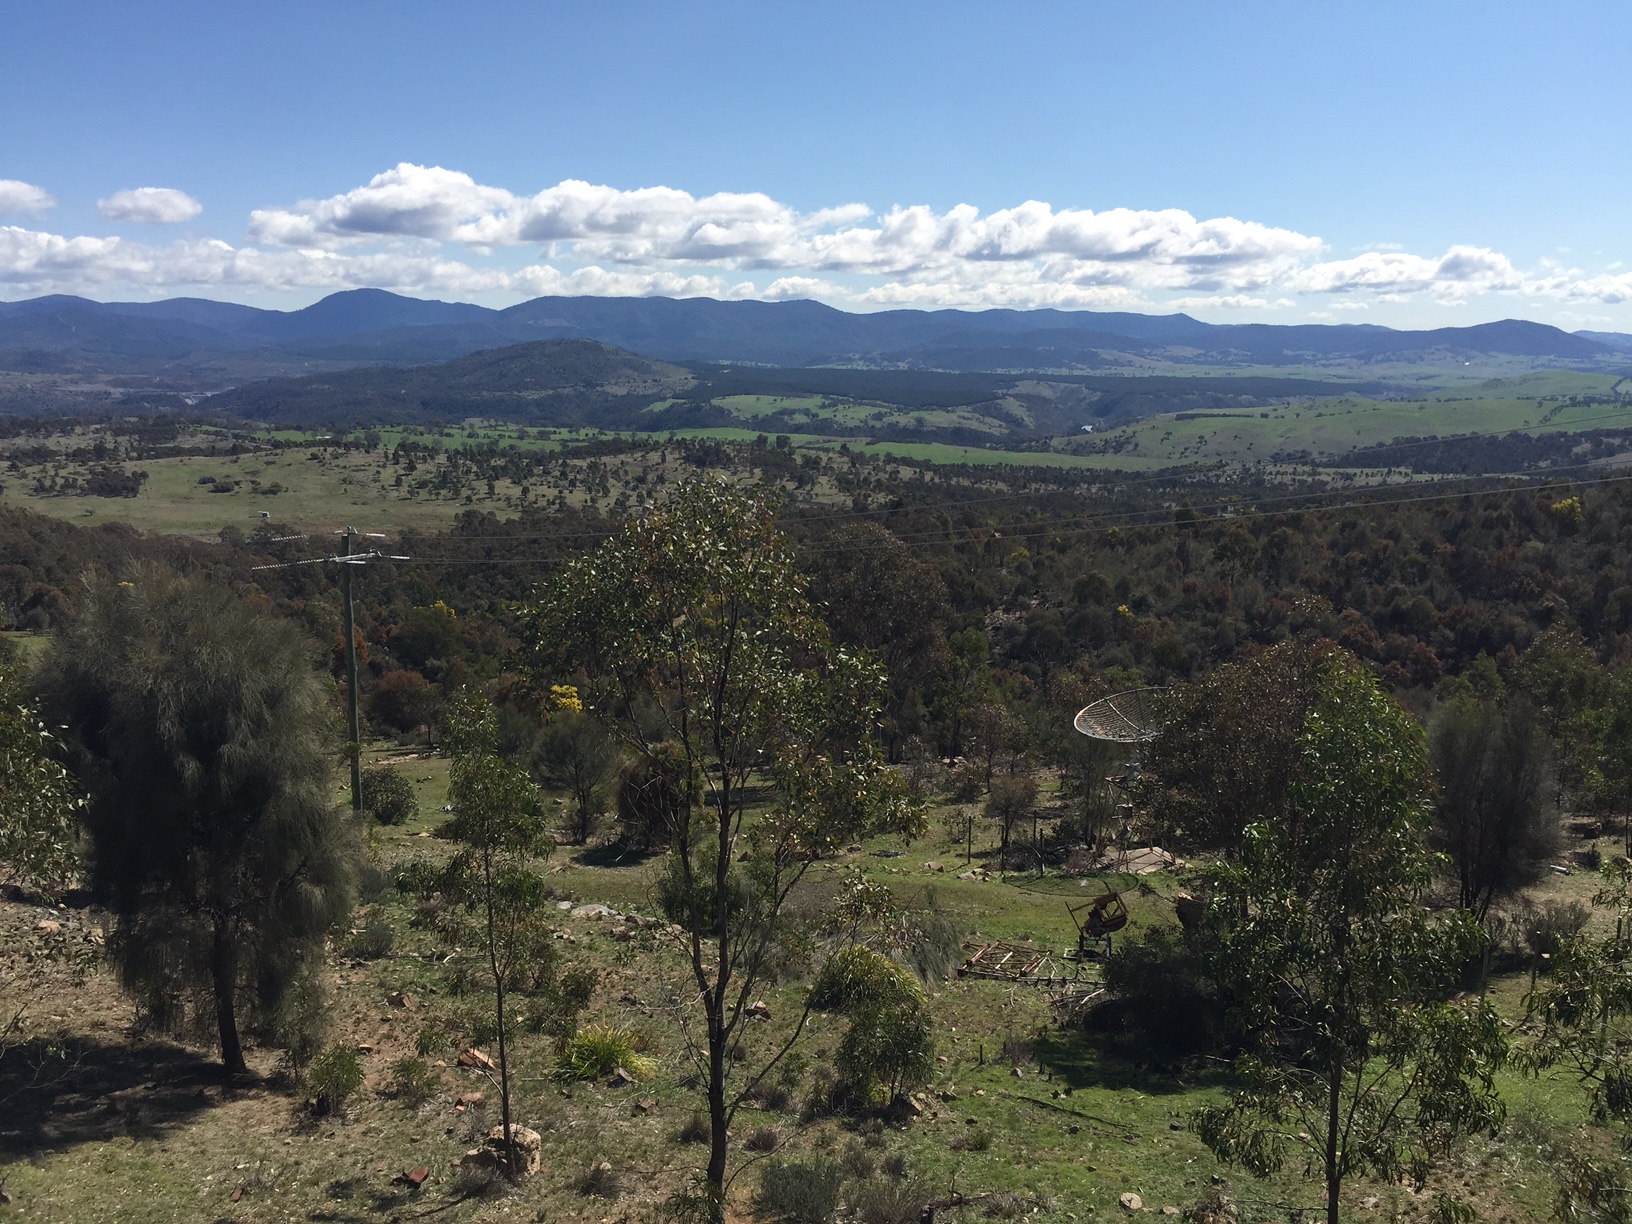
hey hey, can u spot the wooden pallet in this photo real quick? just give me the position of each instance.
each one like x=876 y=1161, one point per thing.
x=1003 y=962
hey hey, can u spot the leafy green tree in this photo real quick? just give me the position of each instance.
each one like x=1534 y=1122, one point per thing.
x=576 y=753
x=1318 y=931
x=698 y=607
x=1582 y=1020
x=205 y=734
x=495 y=896
x=40 y=803
x=1493 y=813
x=1227 y=749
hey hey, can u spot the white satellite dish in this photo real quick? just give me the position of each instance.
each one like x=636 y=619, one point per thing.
x=1122 y=718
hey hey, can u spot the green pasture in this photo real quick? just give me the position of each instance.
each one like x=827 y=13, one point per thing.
x=1338 y=424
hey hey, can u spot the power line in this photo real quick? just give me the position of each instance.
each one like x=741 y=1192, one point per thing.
x=348 y=561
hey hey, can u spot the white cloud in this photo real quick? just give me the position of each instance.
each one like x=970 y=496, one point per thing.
x=150 y=206
x=433 y=230
x=24 y=198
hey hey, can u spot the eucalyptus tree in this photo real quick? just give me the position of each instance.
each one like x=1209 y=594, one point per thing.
x=494 y=897
x=1353 y=1055
x=205 y=732
x=693 y=624
x=40 y=802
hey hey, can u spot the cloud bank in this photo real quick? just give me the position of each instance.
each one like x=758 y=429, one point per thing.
x=427 y=229
x=150 y=206
x=24 y=198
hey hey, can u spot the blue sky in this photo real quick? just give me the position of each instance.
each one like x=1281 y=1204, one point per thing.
x=1410 y=164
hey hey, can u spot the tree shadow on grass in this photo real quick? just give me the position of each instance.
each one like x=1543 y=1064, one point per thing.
x=1083 y=1058
x=612 y=854
x=56 y=1096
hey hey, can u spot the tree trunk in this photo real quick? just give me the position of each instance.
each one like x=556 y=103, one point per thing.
x=498 y=992
x=224 y=979
x=717 y=1150
x=1334 y=1175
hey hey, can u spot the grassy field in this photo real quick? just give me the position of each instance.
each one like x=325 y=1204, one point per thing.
x=140 y=1129
x=1335 y=426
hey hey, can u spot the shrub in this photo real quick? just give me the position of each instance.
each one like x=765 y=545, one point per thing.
x=477 y=1181
x=806 y=1192
x=888 y=1202
x=374 y=941
x=1549 y=927
x=600 y=1049
x=694 y=1130
x=887 y=1050
x=301 y=1024
x=333 y=1076
x=388 y=797
x=601 y=1181
x=1161 y=996
x=973 y=1141
x=413 y=1082
x=858 y=977
x=764 y=1139
x=934 y=943
x=1004 y=1205
x=894 y=1165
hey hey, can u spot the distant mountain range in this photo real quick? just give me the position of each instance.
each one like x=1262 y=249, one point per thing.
x=193 y=343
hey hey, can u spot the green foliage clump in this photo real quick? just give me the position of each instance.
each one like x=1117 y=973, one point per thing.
x=802 y=1191
x=1329 y=903
x=333 y=1077
x=375 y=940
x=413 y=1080
x=42 y=802
x=888 y=1048
x=597 y=1050
x=388 y=796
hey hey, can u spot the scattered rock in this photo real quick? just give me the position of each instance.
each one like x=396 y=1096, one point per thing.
x=646 y=1105
x=404 y=1002
x=933 y=867
x=48 y=926
x=1170 y=1211
x=1175 y=1125
x=1370 y=1202
x=759 y=1010
x=621 y=1078
x=469 y=1098
x=1017 y=1073
x=528 y=1145
x=365 y=1048
x=475 y=1058
x=948 y=1094
x=415 y=1178
x=629 y=1000
x=903 y=1109
x=593 y=909
x=853 y=848
x=1131 y=1201
x=563 y=905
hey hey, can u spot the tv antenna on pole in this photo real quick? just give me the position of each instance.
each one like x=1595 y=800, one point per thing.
x=347 y=561
x=1132 y=717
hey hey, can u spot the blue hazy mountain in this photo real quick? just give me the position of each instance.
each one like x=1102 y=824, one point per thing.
x=371 y=326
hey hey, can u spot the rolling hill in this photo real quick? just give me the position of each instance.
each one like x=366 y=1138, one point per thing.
x=194 y=343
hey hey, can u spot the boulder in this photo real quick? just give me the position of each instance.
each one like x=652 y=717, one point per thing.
x=1131 y=1201
x=528 y=1144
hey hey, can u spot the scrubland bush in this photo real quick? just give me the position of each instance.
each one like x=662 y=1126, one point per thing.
x=805 y=1191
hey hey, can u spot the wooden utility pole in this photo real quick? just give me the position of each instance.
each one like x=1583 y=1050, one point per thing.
x=347 y=560
x=353 y=721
